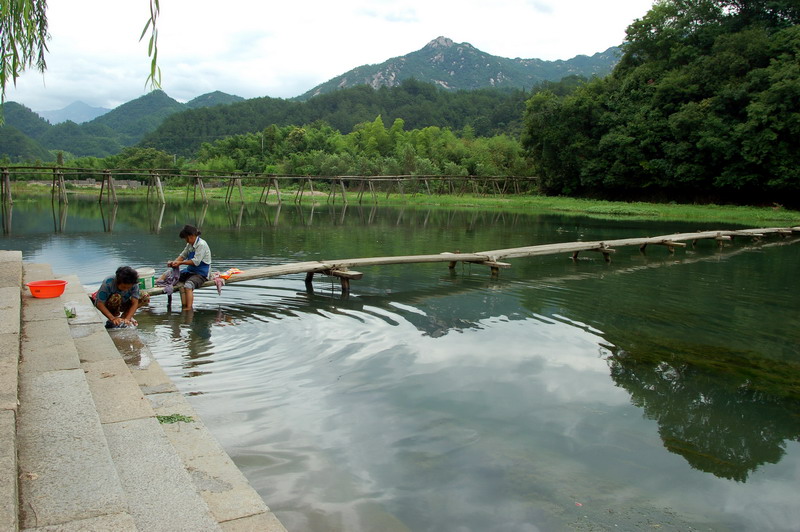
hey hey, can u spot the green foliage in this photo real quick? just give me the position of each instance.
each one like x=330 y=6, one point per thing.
x=23 y=39
x=141 y=158
x=370 y=149
x=174 y=418
x=703 y=105
x=25 y=149
x=487 y=112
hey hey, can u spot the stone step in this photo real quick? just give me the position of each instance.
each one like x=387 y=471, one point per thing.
x=10 y=316
x=93 y=455
x=232 y=500
x=122 y=372
x=159 y=491
x=66 y=472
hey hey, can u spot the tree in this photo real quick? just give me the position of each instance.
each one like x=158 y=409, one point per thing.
x=24 y=36
x=23 y=39
x=702 y=106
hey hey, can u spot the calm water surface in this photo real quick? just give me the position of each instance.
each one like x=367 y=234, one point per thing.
x=655 y=392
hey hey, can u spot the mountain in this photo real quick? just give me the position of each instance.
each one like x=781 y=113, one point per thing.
x=461 y=66
x=102 y=136
x=77 y=112
x=213 y=99
x=444 y=84
x=136 y=118
x=19 y=147
x=24 y=120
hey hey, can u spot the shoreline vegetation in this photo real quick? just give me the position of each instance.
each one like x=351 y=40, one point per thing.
x=754 y=216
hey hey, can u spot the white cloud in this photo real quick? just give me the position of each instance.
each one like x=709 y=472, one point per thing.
x=264 y=48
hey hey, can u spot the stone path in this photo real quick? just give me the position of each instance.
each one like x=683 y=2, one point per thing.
x=81 y=447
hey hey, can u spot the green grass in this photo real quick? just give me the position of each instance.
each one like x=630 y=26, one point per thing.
x=528 y=203
x=174 y=418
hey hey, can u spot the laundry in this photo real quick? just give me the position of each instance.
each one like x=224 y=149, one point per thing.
x=219 y=281
x=230 y=272
x=169 y=279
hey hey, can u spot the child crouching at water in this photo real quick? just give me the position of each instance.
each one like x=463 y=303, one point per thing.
x=118 y=297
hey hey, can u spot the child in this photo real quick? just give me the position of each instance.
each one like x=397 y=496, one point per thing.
x=197 y=255
x=118 y=297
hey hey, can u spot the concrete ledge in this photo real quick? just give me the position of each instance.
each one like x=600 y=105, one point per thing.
x=66 y=471
x=152 y=475
x=9 y=371
x=116 y=395
x=88 y=452
x=261 y=523
x=10 y=304
x=9 y=496
x=76 y=298
x=118 y=523
x=93 y=343
x=10 y=269
x=45 y=346
x=224 y=488
x=10 y=326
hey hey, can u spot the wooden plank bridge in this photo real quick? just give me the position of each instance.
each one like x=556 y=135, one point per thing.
x=341 y=268
x=336 y=185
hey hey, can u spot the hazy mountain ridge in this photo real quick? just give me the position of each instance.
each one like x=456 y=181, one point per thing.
x=448 y=65
x=104 y=135
x=461 y=66
x=77 y=112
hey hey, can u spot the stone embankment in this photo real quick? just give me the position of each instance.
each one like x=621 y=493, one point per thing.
x=82 y=447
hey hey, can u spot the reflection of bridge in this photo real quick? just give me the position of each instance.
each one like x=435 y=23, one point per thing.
x=198 y=180
x=341 y=268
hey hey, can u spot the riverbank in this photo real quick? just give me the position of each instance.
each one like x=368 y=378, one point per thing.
x=96 y=440
x=752 y=216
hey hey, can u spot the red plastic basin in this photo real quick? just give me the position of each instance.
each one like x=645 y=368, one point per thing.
x=49 y=288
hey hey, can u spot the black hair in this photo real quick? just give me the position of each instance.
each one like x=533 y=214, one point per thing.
x=188 y=230
x=127 y=275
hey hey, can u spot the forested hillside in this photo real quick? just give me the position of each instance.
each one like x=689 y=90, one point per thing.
x=704 y=105
x=104 y=136
x=487 y=111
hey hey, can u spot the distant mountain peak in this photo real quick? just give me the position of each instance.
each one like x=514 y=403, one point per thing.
x=461 y=66
x=77 y=112
x=440 y=42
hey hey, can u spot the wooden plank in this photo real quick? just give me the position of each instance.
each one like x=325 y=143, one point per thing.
x=490 y=258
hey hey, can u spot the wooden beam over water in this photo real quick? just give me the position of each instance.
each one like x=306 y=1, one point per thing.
x=342 y=267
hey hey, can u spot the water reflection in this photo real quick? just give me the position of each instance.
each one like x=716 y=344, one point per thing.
x=60 y=217
x=7 y=208
x=108 y=214
x=155 y=215
x=726 y=413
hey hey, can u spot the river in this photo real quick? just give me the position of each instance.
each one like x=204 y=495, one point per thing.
x=657 y=391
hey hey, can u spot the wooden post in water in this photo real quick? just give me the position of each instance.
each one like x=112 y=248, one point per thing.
x=108 y=181
x=298 y=196
x=59 y=186
x=270 y=182
x=160 y=188
x=5 y=187
x=344 y=196
x=241 y=192
x=198 y=182
x=234 y=182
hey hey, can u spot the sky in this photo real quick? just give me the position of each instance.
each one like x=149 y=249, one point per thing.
x=254 y=48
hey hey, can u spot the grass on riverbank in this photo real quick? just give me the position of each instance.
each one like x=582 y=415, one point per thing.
x=528 y=203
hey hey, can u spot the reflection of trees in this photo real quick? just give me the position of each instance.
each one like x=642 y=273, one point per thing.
x=725 y=412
